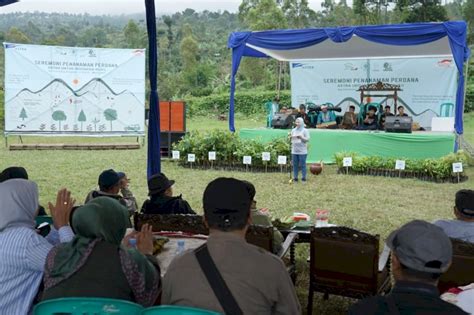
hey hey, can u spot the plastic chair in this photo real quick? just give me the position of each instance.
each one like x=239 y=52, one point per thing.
x=87 y=306
x=44 y=218
x=176 y=310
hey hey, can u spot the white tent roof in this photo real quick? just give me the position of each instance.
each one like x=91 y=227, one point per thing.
x=358 y=47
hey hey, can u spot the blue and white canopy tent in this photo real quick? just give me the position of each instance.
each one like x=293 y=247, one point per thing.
x=373 y=41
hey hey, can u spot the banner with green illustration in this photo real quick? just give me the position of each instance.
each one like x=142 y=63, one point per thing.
x=74 y=90
x=428 y=85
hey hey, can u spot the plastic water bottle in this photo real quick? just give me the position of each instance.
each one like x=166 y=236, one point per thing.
x=132 y=242
x=180 y=247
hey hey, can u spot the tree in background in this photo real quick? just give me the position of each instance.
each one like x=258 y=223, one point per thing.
x=59 y=116
x=14 y=35
x=468 y=14
x=422 y=11
x=298 y=14
x=134 y=36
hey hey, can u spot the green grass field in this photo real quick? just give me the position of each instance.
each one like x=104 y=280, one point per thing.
x=371 y=204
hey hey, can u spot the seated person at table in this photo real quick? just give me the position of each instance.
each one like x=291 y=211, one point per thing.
x=23 y=251
x=463 y=226
x=385 y=114
x=401 y=111
x=161 y=198
x=109 y=186
x=370 y=121
x=257 y=280
x=325 y=116
x=95 y=264
x=261 y=217
x=420 y=253
x=349 y=120
x=302 y=113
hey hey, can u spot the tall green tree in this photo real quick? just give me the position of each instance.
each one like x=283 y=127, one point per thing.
x=468 y=14
x=422 y=10
x=14 y=35
x=133 y=35
x=298 y=13
x=262 y=15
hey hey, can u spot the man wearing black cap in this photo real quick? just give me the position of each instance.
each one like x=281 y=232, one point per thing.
x=421 y=252
x=161 y=198
x=255 y=281
x=463 y=226
x=109 y=186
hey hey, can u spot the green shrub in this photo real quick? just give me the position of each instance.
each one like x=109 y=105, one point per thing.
x=440 y=168
x=249 y=102
x=229 y=148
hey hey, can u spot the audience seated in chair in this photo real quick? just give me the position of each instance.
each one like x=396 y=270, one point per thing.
x=349 y=120
x=302 y=113
x=110 y=183
x=421 y=253
x=23 y=251
x=383 y=117
x=260 y=218
x=401 y=111
x=370 y=121
x=325 y=116
x=463 y=226
x=95 y=264
x=160 y=190
x=257 y=280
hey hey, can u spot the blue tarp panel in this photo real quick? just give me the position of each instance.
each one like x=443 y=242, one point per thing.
x=395 y=34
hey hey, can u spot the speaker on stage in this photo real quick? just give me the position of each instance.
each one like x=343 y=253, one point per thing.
x=283 y=121
x=398 y=124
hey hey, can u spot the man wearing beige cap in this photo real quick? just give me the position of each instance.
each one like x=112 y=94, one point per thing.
x=421 y=253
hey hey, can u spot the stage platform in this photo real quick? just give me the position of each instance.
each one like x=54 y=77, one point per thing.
x=325 y=143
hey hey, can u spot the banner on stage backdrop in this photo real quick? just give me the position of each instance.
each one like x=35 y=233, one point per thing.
x=74 y=90
x=428 y=84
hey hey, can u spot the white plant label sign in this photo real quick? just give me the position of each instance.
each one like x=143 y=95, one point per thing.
x=212 y=155
x=347 y=161
x=282 y=159
x=247 y=159
x=400 y=165
x=265 y=156
x=175 y=155
x=457 y=167
x=191 y=157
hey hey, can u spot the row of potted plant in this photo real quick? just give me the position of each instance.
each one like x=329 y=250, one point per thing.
x=432 y=169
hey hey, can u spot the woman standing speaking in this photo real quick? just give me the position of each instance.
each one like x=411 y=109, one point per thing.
x=299 y=149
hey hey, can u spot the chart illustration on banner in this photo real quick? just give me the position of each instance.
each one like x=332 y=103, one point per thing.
x=73 y=90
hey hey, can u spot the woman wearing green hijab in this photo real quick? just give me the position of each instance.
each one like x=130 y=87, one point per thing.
x=95 y=264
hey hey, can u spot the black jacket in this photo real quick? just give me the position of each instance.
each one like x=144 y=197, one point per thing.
x=166 y=205
x=411 y=298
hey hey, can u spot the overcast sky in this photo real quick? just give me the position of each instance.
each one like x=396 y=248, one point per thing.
x=126 y=6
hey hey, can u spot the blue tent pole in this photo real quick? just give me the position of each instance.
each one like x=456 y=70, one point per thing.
x=154 y=158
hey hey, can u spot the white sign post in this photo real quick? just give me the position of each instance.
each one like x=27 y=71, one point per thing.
x=175 y=155
x=191 y=159
x=281 y=161
x=347 y=162
x=247 y=160
x=457 y=168
x=400 y=166
x=265 y=158
x=212 y=157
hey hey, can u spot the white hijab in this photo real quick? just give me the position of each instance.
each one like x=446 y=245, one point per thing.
x=18 y=203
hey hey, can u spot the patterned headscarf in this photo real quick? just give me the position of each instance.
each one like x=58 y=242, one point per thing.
x=18 y=203
x=102 y=219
